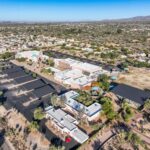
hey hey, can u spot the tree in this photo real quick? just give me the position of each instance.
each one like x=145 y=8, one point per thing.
x=54 y=100
x=105 y=86
x=33 y=126
x=126 y=111
x=124 y=50
x=3 y=122
x=104 y=82
x=124 y=65
x=21 y=59
x=50 y=62
x=103 y=78
x=119 y=31
x=38 y=114
x=2 y=98
x=34 y=75
x=46 y=71
x=133 y=138
x=146 y=105
x=6 y=55
x=62 y=101
x=80 y=114
x=107 y=108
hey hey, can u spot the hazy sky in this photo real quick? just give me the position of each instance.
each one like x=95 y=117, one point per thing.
x=71 y=10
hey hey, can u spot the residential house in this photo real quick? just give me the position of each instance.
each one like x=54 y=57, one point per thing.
x=65 y=123
x=90 y=112
x=32 y=55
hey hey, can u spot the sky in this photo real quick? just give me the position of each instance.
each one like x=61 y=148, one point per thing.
x=71 y=10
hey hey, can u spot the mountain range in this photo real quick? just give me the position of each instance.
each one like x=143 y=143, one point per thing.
x=132 y=19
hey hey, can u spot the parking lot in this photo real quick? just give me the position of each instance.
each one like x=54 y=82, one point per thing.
x=26 y=92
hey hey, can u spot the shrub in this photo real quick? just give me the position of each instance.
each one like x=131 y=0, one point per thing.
x=38 y=114
x=21 y=59
x=34 y=75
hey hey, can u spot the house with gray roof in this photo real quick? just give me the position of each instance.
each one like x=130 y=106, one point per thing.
x=65 y=123
x=91 y=112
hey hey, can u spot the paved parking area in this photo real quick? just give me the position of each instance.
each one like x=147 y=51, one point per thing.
x=25 y=97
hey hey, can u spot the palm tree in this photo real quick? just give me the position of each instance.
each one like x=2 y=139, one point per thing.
x=126 y=111
x=62 y=101
x=146 y=105
x=54 y=100
x=80 y=114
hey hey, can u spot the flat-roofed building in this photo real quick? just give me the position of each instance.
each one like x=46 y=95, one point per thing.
x=34 y=56
x=86 y=68
x=74 y=78
x=65 y=123
x=77 y=74
x=91 y=112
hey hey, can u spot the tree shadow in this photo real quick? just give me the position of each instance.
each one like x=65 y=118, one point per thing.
x=96 y=144
x=2 y=139
x=56 y=141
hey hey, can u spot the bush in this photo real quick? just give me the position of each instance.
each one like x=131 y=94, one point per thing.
x=6 y=55
x=46 y=70
x=33 y=126
x=27 y=71
x=138 y=64
x=50 y=62
x=126 y=111
x=110 y=55
x=34 y=75
x=21 y=59
x=103 y=82
x=134 y=139
x=38 y=114
x=107 y=108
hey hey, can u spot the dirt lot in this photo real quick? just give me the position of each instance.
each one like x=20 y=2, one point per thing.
x=137 y=77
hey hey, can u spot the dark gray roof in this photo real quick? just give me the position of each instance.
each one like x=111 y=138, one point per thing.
x=24 y=79
x=43 y=91
x=16 y=74
x=34 y=84
x=131 y=93
x=22 y=98
x=25 y=98
x=11 y=70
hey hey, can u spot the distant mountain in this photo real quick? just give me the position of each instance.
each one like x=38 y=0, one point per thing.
x=133 y=19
